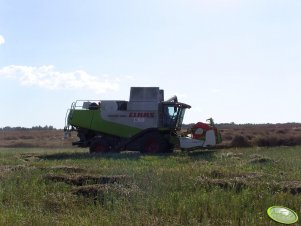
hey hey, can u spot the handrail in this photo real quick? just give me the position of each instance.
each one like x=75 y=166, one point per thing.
x=66 y=120
x=78 y=104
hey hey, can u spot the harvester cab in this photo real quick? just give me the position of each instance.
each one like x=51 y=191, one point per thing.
x=173 y=115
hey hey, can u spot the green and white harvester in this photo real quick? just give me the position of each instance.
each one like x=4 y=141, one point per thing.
x=145 y=123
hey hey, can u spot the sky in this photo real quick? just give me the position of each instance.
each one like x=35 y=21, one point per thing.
x=233 y=60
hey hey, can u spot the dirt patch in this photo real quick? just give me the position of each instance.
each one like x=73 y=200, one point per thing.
x=29 y=157
x=68 y=169
x=238 y=181
x=228 y=180
x=232 y=155
x=101 y=190
x=226 y=183
x=232 y=175
x=293 y=187
x=260 y=159
x=80 y=180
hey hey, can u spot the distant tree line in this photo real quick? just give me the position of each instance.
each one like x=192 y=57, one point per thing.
x=8 y=128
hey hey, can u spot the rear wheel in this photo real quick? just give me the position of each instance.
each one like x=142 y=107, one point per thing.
x=99 y=145
x=153 y=143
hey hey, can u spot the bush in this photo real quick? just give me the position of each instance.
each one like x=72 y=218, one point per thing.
x=240 y=141
x=267 y=141
x=273 y=141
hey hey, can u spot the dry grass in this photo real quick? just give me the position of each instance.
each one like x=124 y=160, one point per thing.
x=99 y=191
x=85 y=179
x=6 y=169
x=94 y=186
x=265 y=135
x=229 y=180
x=239 y=181
x=35 y=138
x=293 y=187
x=260 y=159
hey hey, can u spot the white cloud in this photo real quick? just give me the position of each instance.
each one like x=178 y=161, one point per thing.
x=47 y=77
x=2 y=40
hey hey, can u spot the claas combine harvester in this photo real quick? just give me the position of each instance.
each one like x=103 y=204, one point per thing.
x=146 y=123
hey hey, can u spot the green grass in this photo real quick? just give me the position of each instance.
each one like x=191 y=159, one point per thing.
x=198 y=188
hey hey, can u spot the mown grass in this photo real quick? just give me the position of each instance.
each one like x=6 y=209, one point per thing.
x=226 y=187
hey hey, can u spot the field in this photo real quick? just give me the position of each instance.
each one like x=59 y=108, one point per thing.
x=43 y=181
x=35 y=138
x=247 y=135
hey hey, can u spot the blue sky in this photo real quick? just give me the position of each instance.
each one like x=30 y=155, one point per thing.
x=236 y=61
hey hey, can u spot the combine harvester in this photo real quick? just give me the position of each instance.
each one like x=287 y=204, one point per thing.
x=145 y=123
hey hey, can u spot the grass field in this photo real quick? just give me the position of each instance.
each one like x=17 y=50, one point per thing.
x=41 y=186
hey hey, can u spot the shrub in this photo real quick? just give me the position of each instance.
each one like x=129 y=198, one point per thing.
x=298 y=140
x=240 y=141
x=273 y=141
x=24 y=137
x=280 y=132
x=266 y=141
